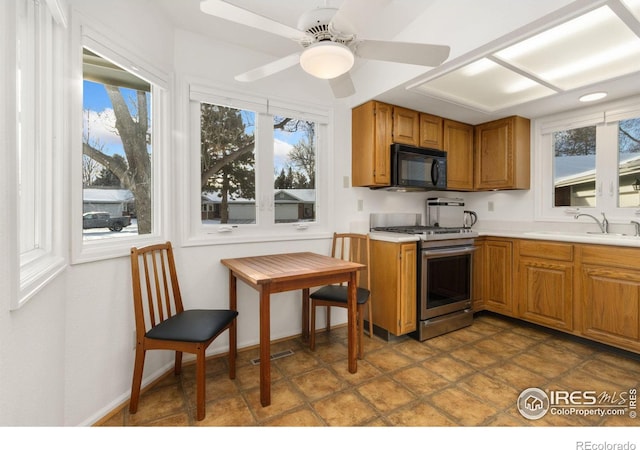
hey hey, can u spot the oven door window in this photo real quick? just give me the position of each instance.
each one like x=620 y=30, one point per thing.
x=448 y=280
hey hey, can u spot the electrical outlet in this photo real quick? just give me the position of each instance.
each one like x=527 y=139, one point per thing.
x=360 y=204
x=345 y=182
x=490 y=206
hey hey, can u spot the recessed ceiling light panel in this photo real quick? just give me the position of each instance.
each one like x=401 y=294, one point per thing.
x=588 y=49
x=486 y=86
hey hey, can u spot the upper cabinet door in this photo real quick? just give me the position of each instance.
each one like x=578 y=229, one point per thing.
x=502 y=158
x=458 y=143
x=406 y=126
x=372 y=128
x=431 y=131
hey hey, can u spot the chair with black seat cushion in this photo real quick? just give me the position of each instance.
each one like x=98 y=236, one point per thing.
x=352 y=247
x=163 y=324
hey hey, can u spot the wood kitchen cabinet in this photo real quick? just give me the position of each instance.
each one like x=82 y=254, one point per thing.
x=393 y=286
x=497 y=276
x=406 y=126
x=431 y=131
x=592 y=291
x=458 y=143
x=544 y=283
x=502 y=154
x=371 y=138
x=608 y=298
x=477 y=301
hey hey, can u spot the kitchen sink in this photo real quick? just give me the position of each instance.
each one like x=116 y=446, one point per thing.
x=583 y=236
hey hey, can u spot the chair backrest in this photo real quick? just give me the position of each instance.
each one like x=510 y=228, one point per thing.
x=353 y=247
x=156 y=293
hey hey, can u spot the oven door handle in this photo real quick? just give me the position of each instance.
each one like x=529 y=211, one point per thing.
x=452 y=251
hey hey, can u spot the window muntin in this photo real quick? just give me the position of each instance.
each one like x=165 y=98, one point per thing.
x=116 y=149
x=574 y=167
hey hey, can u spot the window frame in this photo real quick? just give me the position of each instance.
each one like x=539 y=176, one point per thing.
x=35 y=106
x=265 y=229
x=90 y=35
x=605 y=117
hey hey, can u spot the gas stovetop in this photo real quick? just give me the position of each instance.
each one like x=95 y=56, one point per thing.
x=430 y=233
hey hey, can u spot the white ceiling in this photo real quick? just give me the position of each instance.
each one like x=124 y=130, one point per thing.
x=473 y=29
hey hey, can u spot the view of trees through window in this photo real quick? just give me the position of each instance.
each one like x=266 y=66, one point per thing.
x=228 y=167
x=629 y=162
x=575 y=164
x=116 y=147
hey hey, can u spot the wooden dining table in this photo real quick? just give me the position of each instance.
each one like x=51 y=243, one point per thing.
x=269 y=274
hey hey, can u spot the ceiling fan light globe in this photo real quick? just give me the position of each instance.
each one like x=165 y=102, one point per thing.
x=327 y=60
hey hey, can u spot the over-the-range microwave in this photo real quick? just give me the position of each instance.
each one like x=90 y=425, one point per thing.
x=417 y=169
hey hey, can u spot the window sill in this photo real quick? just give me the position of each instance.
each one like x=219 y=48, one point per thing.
x=36 y=275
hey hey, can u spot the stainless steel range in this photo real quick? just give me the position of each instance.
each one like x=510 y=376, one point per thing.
x=445 y=264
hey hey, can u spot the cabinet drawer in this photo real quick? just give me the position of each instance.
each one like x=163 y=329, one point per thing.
x=547 y=250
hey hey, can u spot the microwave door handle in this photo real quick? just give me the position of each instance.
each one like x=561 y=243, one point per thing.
x=435 y=172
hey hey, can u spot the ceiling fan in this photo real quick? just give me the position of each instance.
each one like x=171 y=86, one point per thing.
x=330 y=42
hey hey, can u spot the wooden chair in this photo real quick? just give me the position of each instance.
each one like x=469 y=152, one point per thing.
x=350 y=247
x=163 y=324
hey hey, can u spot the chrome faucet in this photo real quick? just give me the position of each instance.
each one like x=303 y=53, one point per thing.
x=637 y=225
x=604 y=226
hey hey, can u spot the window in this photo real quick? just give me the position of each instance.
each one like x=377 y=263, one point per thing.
x=294 y=151
x=116 y=150
x=119 y=156
x=257 y=168
x=574 y=167
x=590 y=160
x=37 y=133
x=629 y=163
x=228 y=176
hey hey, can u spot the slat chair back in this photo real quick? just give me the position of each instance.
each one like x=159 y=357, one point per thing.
x=355 y=248
x=352 y=247
x=156 y=291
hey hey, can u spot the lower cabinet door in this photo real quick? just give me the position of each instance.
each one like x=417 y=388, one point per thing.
x=545 y=291
x=610 y=309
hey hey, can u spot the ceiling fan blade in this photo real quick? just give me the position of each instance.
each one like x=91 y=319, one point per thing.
x=242 y=16
x=270 y=68
x=404 y=52
x=342 y=86
x=354 y=15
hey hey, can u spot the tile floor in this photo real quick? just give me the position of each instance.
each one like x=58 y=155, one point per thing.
x=470 y=377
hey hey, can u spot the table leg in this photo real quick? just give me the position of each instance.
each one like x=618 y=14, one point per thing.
x=305 y=315
x=352 y=338
x=233 y=330
x=265 y=346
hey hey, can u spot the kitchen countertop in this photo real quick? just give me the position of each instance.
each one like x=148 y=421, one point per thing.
x=582 y=237
x=393 y=237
